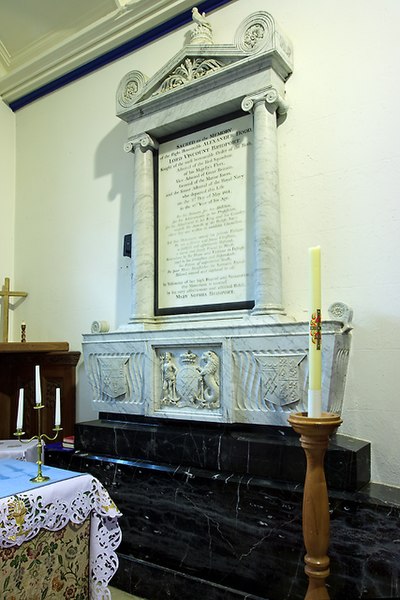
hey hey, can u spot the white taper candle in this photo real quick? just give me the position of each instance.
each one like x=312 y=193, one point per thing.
x=315 y=346
x=20 y=414
x=38 y=389
x=57 y=418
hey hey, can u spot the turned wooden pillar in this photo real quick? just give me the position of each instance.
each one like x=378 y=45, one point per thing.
x=314 y=438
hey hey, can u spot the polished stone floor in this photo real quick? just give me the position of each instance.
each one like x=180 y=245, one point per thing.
x=120 y=595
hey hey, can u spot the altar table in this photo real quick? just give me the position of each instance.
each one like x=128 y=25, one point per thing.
x=58 y=538
x=15 y=449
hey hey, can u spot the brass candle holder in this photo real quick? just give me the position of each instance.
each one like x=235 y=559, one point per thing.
x=314 y=438
x=40 y=437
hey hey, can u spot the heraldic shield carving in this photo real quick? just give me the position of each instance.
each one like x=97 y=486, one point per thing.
x=280 y=377
x=189 y=380
x=113 y=376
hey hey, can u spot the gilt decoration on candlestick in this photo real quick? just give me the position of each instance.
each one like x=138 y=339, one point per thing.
x=315 y=335
x=40 y=437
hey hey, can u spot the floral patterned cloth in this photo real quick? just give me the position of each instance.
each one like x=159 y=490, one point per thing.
x=44 y=535
x=59 y=560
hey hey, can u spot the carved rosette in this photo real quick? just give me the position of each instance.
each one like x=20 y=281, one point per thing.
x=189 y=380
x=341 y=312
x=255 y=33
x=129 y=87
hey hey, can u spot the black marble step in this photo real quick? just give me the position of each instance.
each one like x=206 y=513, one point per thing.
x=255 y=450
x=199 y=533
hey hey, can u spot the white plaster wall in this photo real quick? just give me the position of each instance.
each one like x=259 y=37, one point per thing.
x=339 y=188
x=7 y=197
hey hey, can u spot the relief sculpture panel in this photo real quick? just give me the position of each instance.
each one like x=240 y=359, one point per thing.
x=190 y=380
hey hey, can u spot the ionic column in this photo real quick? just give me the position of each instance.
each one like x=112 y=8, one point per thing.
x=266 y=206
x=142 y=257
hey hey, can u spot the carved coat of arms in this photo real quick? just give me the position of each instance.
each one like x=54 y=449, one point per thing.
x=113 y=376
x=190 y=381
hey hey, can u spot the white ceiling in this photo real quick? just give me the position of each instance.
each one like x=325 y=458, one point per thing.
x=41 y=40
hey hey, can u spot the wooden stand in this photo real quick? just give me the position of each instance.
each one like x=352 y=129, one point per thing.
x=314 y=439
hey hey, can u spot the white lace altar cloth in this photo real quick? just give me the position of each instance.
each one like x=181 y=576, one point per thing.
x=52 y=506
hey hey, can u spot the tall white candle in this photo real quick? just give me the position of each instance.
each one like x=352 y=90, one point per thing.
x=57 y=418
x=38 y=389
x=315 y=338
x=20 y=414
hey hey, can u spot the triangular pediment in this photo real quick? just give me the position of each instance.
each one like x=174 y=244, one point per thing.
x=257 y=41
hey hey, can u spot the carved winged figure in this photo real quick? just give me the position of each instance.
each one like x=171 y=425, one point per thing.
x=200 y=18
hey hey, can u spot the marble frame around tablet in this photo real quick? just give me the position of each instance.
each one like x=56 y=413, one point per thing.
x=203 y=85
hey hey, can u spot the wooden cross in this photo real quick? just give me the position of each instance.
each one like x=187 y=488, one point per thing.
x=6 y=305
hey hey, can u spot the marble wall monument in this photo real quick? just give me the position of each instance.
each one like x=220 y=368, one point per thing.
x=208 y=338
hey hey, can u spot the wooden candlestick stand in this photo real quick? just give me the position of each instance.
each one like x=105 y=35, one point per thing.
x=314 y=438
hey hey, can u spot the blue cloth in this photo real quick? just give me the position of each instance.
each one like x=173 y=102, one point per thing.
x=15 y=476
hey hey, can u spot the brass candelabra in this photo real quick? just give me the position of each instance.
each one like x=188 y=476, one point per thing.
x=40 y=437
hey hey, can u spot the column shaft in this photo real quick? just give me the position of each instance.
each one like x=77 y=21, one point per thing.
x=267 y=230
x=143 y=260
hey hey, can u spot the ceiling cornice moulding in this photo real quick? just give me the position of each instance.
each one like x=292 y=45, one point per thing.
x=131 y=20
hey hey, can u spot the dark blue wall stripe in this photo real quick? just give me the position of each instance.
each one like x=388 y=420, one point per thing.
x=116 y=53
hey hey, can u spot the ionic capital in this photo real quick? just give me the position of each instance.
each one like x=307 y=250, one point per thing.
x=270 y=97
x=143 y=142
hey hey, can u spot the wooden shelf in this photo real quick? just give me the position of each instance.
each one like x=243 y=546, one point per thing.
x=34 y=346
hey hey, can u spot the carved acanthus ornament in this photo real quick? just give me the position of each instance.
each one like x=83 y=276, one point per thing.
x=143 y=142
x=272 y=99
x=188 y=71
